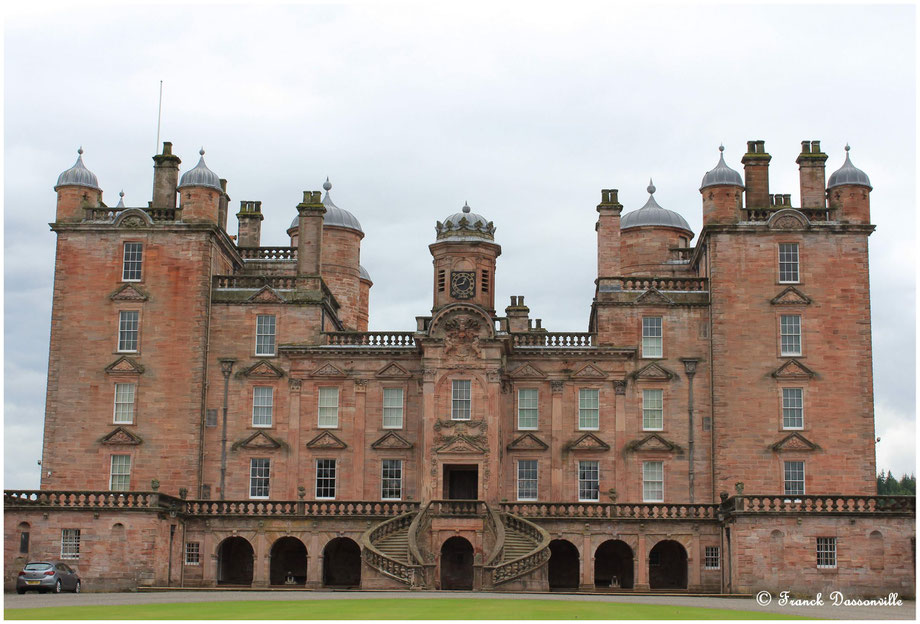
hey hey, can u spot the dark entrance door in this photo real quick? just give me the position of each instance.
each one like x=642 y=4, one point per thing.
x=461 y=481
x=457 y=564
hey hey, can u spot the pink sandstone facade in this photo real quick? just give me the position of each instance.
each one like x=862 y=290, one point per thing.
x=218 y=414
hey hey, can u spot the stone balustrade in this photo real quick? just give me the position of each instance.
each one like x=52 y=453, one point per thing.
x=554 y=340
x=458 y=508
x=268 y=253
x=377 y=559
x=510 y=570
x=678 y=284
x=254 y=282
x=299 y=508
x=107 y=215
x=763 y=214
x=832 y=504
x=88 y=499
x=639 y=511
x=388 y=340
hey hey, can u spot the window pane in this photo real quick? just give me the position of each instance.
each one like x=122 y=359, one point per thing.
x=653 y=409
x=789 y=262
x=259 y=474
x=793 y=408
x=265 y=334
x=651 y=336
x=588 y=481
x=325 y=478
x=391 y=479
x=790 y=335
x=121 y=473
x=128 y=325
x=712 y=559
x=794 y=478
x=131 y=270
x=328 y=408
x=392 y=408
x=527 y=408
x=588 y=408
x=653 y=481
x=124 y=403
x=192 y=553
x=262 y=400
x=827 y=552
x=70 y=543
x=527 y=479
x=460 y=400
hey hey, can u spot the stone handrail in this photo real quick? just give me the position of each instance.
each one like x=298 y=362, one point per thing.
x=81 y=499
x=108 y=214
x=420 y=524
x=683 y=284
x=252 y=282
x=299 y=508
x=640 y=511
x=496 y=526
x=386 y=339
x=458 y=508
x=764 y=214
x=510 y=570
x=268 y=253
x=556 y=340
x=401 y=571
x=816 y=504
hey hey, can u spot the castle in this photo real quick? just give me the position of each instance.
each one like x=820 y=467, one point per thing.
x=218 y=414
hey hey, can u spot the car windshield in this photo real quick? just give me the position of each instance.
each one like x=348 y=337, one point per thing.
x=38 y=566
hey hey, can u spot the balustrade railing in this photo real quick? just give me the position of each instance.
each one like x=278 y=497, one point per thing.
x=279 y=282
x=420 y=525
x=163 y=214
x=641 y=511
x=832 y=504
x=495 y=528
x=400 y=570
x=679 y=284
x=764 y=214
x=457 y=508
x=88 y=499
x=299 y=508
x=268 y=253
x=108 y=214
x=554 y=340
x=388 y=340
x=510 y=570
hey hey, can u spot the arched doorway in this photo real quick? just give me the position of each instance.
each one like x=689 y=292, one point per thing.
x=234 y=562
x=667 y=566
x=342 y=563
x=563 y=565
x=456 y=564
x=288 y=562
x=613 y=565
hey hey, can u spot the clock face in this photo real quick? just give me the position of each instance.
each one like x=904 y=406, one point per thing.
x=462 y=284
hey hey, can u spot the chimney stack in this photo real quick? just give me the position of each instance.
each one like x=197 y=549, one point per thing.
x=608 y=234
x=310 y=233
x=224 y=206
x=811 y=174
x=756 y=176
x=165 y=178
x=518 y=315
x=249 y=220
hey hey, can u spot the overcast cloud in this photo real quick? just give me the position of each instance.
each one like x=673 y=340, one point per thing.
x=526 y=112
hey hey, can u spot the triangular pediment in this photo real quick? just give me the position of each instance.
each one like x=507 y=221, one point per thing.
x=263 y=369
x=393 y=370
x=790 y=296
x=589 y=371
x=794 y=442
x=588 y=442
x=793 y=369
x=328 y=370
x=266 y=294
x=259 y=441
x=326 y=440
x=652 y=296
x=527 y=371
x=392 y=440
x=653 y=372
x=120 y=435
x=653 y=442
x=124 y=366
x=129 y=292
x=461 y=444
x=528 y=442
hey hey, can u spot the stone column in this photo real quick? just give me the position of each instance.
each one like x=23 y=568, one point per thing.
x=314 y=557
x=360 y=469
x=694 y=564
x=641 y=565
x=428 y=487
x=294 y=472
x=619 y=390
x=556 y=441
x=260 y=560
x=587 y=561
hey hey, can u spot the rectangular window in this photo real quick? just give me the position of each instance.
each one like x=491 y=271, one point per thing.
x=651 y=337
x=124 y=403
x=265 y=334
x=128 y=328
x=192 y=553
x=485 y=280
x=653 y=482
x=460 y=400
x=392 y=408
x=328 y=408
x=120 y=476
x=789 y=263
x=527 y=480
x=794 y=478
x=793 y=417
x=131 y=269
x=325 y=479
x=527 y=408
x=588 y=481
x=210 y=419
x=391 y=479
x=262 y=400
x=588 y=408
x=790 y=334
x=712 y=560
x=653 y=410
x=259 y=475
x=70 y=543
x=827 y=552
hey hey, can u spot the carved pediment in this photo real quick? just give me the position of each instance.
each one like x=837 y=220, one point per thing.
x=129 y=292
x=793 y=369
x=653 y=372
x=328 y=370
x=528 y=442
x=787 y=219
x=120 y=435
x=132 y=218
x=587 y=442
x=393 y=370
x=653 y=442
x=589 y=371
x=461 y=444
x=794 y=442
x=262 y=369
x=527 y=371
x=652 y=296
x=266 y=294
x=790 y=296
x=392 y=440
x=326 y=440
x=124 y=366
x=260 y=441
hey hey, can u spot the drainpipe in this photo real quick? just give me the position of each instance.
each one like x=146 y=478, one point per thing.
x=226 y=366
x=690 y=369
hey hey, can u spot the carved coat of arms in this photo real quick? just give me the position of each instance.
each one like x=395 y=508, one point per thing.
x=462 y=338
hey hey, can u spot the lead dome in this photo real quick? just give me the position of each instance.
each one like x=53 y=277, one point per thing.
x=335 y=216
x=200 y=175
x=848 y=174
x=465 y=225
x=78 y=175
x=651 y=214
x=721 y=174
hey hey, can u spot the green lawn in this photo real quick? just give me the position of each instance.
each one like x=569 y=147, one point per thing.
x=388 y=609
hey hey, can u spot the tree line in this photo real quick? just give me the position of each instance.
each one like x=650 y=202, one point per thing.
x=889 y=485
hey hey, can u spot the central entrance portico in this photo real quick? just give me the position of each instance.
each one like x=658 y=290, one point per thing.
x=461 y=481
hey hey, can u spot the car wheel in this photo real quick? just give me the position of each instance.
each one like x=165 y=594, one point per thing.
x=76 y=588
x=57 y=587
x=20 y=591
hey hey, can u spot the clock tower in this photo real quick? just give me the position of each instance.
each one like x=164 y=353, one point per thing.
x=464 y=260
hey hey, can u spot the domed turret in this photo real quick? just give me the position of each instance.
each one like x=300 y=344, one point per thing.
x=848 y=191
x=721 y=175
x=78 y=175
x=335 y=216
x=848 y=174
x=200 y=175
x=651 y=214
x=200 y=194
x=465 y=225
x=721 y=190
x=647 y=236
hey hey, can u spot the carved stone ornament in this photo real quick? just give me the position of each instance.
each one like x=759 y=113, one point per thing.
x=556 y=386
x=793 y=369
x=326 y=440
x=788 y=219
x=652 y=442
x=619 y=386
x=652 y=296
x=121 y=436
x=129 y=292
x=132 y=222
x=393 y=371
x=462 y=444
x=794 y=442
x=528 y=442
x=360 y=385
x=527 y=371
x=462 y=338
x=653 y=372
x=392 y=441
x=258 y=441
x=429 y=374
x=263 y=370
x=266 y=294
x=328 y=370
x=790 y=296
x=589 y=371
x=124 y=366
x=295 y=384
x=587 y=442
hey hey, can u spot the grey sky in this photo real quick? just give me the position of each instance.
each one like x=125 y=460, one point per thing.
x=526 y=112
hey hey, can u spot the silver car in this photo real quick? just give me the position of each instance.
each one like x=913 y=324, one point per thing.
x=43 y=576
